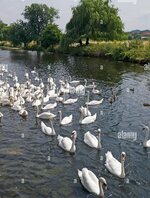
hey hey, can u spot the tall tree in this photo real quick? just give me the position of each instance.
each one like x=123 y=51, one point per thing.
x=96 y=19
x=38 y=16
x=50 y=36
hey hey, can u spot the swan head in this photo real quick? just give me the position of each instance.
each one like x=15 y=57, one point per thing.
x=99 y=130
x=123 y=156
x=102 y=180
x=73 y=135
x=145 y=127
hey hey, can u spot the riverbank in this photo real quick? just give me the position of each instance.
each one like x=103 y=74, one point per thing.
x=134 y=51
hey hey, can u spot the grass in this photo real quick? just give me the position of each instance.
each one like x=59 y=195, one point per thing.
x=137 y=51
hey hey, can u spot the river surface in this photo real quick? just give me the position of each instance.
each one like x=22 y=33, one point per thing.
x=31 y=163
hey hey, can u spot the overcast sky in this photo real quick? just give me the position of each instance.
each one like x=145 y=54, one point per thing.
x=135 y=14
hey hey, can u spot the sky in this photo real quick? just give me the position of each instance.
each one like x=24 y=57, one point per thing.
x=135 y=14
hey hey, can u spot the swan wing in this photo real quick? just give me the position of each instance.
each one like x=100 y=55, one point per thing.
x=50 y=106
x=45 y=129
x=64 y=142
x=89 y=180
x=90 y=140
x=112 y=164
x=66 y=120
x=89 y=119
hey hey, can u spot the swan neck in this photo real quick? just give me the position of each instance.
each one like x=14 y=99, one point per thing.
x=53 y=130
x=88 y=97
x=81 y=118
x=122 y=169
x=146 y=137
x=72 y=150
x=101 y=191
x=99 y=141
x=60 y=117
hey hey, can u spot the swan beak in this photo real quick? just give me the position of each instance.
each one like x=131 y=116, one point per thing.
x=104 y=186
x=123 y=156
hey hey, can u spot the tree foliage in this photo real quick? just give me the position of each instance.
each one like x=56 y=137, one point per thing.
x=19 y=33
x=50 y=36
x=3 y=28
x=38 y=16
x=94 y=18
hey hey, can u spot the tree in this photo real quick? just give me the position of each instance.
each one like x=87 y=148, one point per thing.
x=38 y=16
x=50 y=36
x=3 y=28
x=19 y=33
x=96 y=19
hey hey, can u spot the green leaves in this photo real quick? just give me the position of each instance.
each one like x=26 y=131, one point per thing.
x=95 y=18
x=38 y=17
x=50 y=36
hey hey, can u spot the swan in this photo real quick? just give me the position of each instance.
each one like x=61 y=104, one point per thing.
x=66 y=120
x=48 y=130
x=23 y=112
x=93 y=102
x=92 y=141
x=114 y=166
x=49 y=106
x=88 y=119
x=45 y=115
x=96 y=91
x=66 y=143
x=91 y=183
x=85 y=111
x=69 y=101
x=73 y=81
x=89 y=86
x=146 y=142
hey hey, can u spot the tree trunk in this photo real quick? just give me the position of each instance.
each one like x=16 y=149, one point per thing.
x=87 y=40
x=80 y=41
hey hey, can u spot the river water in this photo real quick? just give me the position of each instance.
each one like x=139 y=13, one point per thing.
x=31 y=163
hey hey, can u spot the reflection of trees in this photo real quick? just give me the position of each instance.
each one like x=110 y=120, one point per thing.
x=83 y=67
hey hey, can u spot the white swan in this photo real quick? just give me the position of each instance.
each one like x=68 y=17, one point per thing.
x=89 y=86
x=49 y=106
x=146 y=142
x=114 y=166
x=91 y=183
x=70 y=101
x=92 y=141
x=88 y=119
x=73 y=81
x=96 y=91
x=45 y=115
x=93 y=102
x=66 y=120
x=85 y=111
x=48 y=130
x=66 y=143
x=23 y=112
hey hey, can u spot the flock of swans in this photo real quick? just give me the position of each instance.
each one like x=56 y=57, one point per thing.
x=15 y=95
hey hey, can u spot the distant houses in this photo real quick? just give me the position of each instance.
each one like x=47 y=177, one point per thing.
x=138 y=34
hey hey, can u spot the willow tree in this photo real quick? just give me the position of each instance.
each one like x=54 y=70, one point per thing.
x=96 y=19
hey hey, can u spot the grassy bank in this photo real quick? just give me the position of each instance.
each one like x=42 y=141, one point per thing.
x=135 y=51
